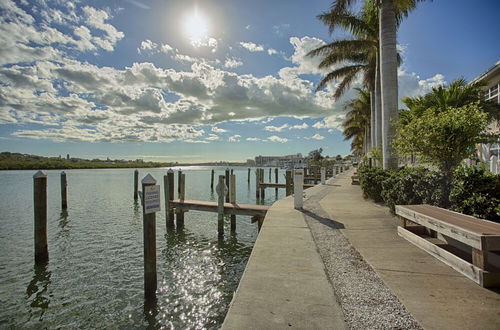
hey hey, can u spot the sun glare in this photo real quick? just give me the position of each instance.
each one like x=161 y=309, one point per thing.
x=196 y=27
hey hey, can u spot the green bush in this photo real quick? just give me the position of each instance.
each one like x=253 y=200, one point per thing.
x=476 y=192
x=413 y=186
x=370 y=179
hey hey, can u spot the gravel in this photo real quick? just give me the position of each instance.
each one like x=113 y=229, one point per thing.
x=366 y=301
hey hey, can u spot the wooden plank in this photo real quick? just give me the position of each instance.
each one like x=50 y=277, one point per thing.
x=453 y=231
x=238 y=209
x=460 y=265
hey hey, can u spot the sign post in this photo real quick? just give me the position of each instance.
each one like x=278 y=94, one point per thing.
x=150 y=205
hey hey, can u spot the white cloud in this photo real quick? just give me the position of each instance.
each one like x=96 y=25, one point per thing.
x=212 y=137
x=234 y=138
x=276 y=128
x=218 y=130
x=253 y=139
x=252 y=46
x=232 y=63
x=303 y=126
x=272 y=51
x=317 y=137
x=275 y=138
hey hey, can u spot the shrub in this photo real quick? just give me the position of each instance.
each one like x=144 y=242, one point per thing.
x=413 y=186
x=370 y=179
x=476 y=192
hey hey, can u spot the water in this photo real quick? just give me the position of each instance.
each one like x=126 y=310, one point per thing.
x=94 y=277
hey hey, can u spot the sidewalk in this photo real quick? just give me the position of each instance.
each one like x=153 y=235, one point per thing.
x=435 y=294
x=284 y=284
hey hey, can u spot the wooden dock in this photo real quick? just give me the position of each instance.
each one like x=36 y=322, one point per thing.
x=229 y=208
x=281 y=185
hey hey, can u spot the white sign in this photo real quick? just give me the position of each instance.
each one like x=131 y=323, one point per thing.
x=151 y=199
x=222 y=189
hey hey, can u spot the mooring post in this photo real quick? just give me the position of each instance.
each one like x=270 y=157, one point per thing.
x=298 y=182
x=288 y=182
x=40 y=210
x=323 y=175
x=227 y=178
x=221 y=191
x=212 y=180
x=262 y=188
x=179 y=173
x=270 y=175
x=182 y=196
x=257 y=183
x=136 y=184
x=248 y=176
x=276 y=179
x=168 y=189
x=64 y=191
x=232 y=171
x=232 y=200
x=149 y=234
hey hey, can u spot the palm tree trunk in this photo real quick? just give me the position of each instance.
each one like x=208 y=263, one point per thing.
x=389 y=80
x=372 y=119
x=378 y=106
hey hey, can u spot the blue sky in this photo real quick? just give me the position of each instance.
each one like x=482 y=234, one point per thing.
x=195 y=81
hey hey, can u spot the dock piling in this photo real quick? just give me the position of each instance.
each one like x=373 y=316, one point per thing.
x=179 y=174
x=227 y=178
x=182 y=196
x=270 y=175
x=248 y=176
x=257 y=183
x=288 y=182
x=221 y=191
x=149 y=235
x=275 y=179
x=232 y=200
x=262 y=189
x=323 y=175
x=212 y=180
x=64 y=191
x=136 y=184
x=40 y=213
x=168 y=186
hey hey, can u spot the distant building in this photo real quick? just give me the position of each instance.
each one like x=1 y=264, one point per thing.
x=67 y=156
x=491 y=78
x=281 y=161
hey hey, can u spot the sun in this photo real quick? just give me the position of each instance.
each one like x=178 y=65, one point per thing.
x=196 y=27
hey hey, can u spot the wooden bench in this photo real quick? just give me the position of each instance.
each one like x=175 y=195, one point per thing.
x=467 y=244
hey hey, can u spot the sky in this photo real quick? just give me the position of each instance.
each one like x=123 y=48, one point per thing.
x=206 y=80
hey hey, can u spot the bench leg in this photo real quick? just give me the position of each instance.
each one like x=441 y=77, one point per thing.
x=480 y=259
x=402 y=222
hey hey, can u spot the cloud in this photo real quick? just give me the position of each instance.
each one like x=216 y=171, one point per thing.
x=303 y=126
x=317 y=137
x=280 y=29
x=272 y=51
x=218 y=130
x=212 y=137
x=252 y=46
x=253 y=139
x=232 y=63
x=275 y=138
x=234 y=138
x=276 y=128
x=138 y=4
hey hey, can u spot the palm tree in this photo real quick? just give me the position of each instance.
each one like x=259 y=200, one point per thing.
x=356 y=56
x=390 y=12
x=357 y=122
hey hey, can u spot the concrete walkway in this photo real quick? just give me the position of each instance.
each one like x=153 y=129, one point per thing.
x=284 y=284
x=436 y=295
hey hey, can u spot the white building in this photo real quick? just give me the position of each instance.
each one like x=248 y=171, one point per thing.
x=281 y=161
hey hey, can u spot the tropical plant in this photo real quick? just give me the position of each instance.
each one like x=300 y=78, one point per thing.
x=357 y=121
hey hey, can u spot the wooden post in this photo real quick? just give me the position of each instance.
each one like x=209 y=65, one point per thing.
x=182 y=196
x=212 y=180
x=323 y=175
x=248 y=176
x=262 y=189
x=221 y=188
x=64 y=191
x=40 y=210
x=136 y=184
x=179 y=173
x=276 y=179
x=270 y=175
x=257 y=183
x=232 y=200
x=232 y=171
x=149 y=234
x=227 y=177
x=288 y=182
x=168 y=188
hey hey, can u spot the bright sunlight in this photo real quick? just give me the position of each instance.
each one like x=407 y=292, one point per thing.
x=196 y=27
